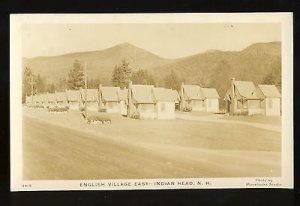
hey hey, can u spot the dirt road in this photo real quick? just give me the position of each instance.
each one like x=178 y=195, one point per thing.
x=51 y=152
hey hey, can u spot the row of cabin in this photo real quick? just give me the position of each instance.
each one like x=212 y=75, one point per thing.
x=199 y=99
x=243 y=98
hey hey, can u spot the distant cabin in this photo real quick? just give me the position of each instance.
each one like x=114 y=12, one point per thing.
x=28 y=101
x=211 y=99
x=123 y=98
x=241 y=98
x=141 y=101
x=73 y=98
x=44 y=100
x=165 y=102
x=270 y=99
x=51 y=97
x=192 y=96
x=92 y=102
x=38 y=100
x=110 y=99
x=61 y=99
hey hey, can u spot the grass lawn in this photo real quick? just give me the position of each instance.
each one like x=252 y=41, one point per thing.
x=256 y=118
x=208 y=135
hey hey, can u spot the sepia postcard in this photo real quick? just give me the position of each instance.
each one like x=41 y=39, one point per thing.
x=151 y=101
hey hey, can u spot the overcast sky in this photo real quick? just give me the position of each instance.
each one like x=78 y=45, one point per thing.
x=165 y=40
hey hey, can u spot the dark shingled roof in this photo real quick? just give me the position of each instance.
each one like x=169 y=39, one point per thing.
x=92 y=94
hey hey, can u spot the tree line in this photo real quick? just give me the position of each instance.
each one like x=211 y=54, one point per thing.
x=121 y=76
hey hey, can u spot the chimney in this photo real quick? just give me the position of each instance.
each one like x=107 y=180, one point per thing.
x=100 y=97
x=129 y=100
x=233 y=103
x=181 y=96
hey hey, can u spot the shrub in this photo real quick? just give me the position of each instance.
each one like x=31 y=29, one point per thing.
x=58 y=109
x=136 y=115
x=98 y=119
x=102 y=110
x=187 y=109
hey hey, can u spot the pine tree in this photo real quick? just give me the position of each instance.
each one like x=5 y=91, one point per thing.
x=172 y=81
x=76 y=76
x=40 y=84
x=121 y=74
x=27 y=78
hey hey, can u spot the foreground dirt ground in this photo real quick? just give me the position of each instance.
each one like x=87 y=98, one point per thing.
x=63 y=147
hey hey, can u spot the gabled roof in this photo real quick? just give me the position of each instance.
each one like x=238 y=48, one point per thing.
x=123 y=94
x=176 y=95
x=210 y=93
x=110 y=94
x=246 y=89
x=73 y=95
x=43 y=98
x=142 y=93
x=51 y=97
x=61 y=96
x=92 y=94
x=193 y=92
x=269 y=90
x=165 y=95
x=37 y=98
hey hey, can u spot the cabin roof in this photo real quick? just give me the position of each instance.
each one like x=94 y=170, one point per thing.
x=61 y=96
x=110 y=94
x=92 y=94
x=269 y=91
x=123 y=94
x=210 y=93
x=142 y=94
x=73 y=95
x=246 y=89
x=163 y=94
x=193 y=92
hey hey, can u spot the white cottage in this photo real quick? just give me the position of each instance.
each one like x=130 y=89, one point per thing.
x=165 y=103
x=140 y=98
x=241 y=98
x=270 y=99
x=110 y=99
x=29 y=101
x=191 y=96
x=51 y=97
x=61 y=99
x=92 y=102
x=73 y=98
x=211 y=99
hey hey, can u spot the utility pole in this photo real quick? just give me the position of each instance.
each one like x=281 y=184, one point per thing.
x=32 y=83
x=85 y=92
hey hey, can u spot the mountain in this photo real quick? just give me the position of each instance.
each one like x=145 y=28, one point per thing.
x=100 y=64
x=216 y=68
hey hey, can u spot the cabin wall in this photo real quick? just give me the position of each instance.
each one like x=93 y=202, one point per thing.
x=92 y=106
x=212 y=105
x=197 y=105
x=74 y=105
x=165 y=110
x=123 y=107
x=272 y=106
x=62 y=104
x=147 y=111
x=112 y=107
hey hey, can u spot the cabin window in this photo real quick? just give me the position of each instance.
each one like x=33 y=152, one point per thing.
x=270 y=103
